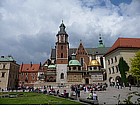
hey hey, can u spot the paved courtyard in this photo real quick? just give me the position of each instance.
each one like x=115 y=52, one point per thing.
x=107 y=97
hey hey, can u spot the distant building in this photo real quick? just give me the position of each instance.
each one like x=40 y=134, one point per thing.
x=123 y=47
x=8 y=73
x=29 y=74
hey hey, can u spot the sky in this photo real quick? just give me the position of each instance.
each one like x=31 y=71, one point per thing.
x=28 y=28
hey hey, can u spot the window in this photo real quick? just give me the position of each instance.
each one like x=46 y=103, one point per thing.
x=3 y=74
x=62 y=76
x=69 y=68
x=111 y=60
x=4 y=66
x=113 y=70
x=102 y=62
x=62 y=38
x=109 y=71
x=108 y=62
x=61 y=47
x=62 y=55
x=90 y=68
x=95 y=68
x=79 y=68
x=117 y=69
x=33 y=75
x=82 y=61
x=115 y=59
x=74 y=68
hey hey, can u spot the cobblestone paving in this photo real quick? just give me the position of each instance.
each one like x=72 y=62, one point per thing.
x=109 y=97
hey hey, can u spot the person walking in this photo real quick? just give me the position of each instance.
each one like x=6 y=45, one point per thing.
x=95 y=96
x=129 y=86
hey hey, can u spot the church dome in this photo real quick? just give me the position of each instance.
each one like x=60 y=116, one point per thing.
x=74 y=63
x=94 y=63
x=51 y=66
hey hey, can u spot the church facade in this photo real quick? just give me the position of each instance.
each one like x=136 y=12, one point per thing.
x=76 y=65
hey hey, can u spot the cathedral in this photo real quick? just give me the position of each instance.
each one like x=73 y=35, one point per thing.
x=75 y=65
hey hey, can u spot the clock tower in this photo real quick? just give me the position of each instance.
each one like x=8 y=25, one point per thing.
x=62 y=49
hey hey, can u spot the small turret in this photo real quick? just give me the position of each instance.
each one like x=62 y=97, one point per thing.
x=101 y=44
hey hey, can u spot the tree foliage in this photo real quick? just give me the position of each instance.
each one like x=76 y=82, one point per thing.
x=123 y=68
x=135 y=66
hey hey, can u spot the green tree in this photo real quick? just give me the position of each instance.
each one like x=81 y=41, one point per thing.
x=123 y=68
x=135 y=66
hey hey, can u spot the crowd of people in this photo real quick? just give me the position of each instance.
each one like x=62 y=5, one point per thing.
x=74 y=89
x=90 y=89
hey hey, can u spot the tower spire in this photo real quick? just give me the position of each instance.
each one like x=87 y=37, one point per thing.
x=101 y=44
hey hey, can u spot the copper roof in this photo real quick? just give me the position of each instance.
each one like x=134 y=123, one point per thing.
x=130 y=43
x=29 y=67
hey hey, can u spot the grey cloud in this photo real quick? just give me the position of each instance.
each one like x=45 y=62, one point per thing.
x=28 y=28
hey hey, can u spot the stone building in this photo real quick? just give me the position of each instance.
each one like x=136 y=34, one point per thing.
x=95 y=72
x=123 y=47
x=8 y=73
x=51 y=73
x=74 y=71
x=78 y=68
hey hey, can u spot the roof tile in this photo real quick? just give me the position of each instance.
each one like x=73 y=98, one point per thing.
x=125 y=43
x=29 y=67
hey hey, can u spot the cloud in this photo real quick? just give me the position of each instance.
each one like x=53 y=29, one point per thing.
x=28 y=28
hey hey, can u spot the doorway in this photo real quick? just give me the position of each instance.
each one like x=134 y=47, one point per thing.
x=87 y=81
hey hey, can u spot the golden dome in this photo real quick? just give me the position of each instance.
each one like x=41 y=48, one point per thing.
x=94 y=63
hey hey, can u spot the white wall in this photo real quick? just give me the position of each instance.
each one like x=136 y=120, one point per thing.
x=61 y=68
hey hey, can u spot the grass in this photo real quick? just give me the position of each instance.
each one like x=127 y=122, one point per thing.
x=30 y=98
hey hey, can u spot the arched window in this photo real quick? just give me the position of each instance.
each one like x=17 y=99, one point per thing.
x=62 y=76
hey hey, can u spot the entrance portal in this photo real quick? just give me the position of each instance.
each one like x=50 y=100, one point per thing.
x=87 y=81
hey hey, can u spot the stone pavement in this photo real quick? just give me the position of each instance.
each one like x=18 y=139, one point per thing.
x=107 y=97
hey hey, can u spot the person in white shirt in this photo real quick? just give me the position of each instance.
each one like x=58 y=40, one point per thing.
x=94 y=96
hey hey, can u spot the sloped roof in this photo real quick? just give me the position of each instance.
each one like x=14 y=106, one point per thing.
x=29 y=68
x=90 y=51
x=7 y=59
x=130 y=43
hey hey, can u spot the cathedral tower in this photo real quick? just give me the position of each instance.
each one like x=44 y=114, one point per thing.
x=62 y=49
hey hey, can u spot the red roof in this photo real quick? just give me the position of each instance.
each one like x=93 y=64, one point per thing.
x=125 y=43
x=29 y=68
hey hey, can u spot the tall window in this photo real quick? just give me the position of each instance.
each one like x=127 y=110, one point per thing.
x=111 y=60
x=117 y=69
x=108 y=62
x=61 y=47
x=62 y=76
x=113 y=70
x=62 y=55
x=109 y=71
x=82 y=61
x=102 y=62
x=115 y=59
x=79 y=68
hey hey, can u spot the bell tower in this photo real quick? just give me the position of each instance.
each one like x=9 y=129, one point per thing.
x=62 y=49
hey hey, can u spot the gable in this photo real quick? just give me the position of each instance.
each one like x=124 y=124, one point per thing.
x=81 y=50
